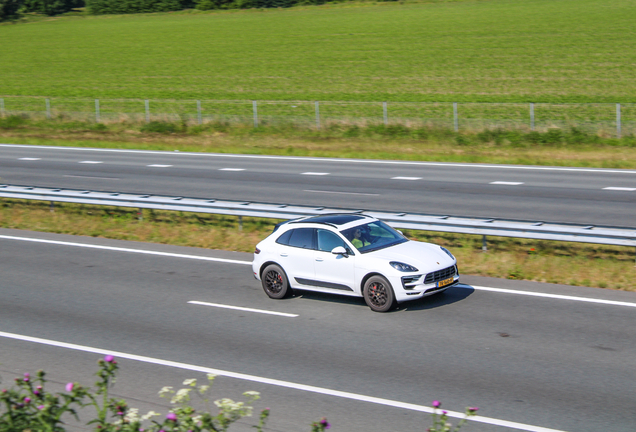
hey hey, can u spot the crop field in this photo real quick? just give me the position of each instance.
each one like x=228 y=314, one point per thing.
x=504 y=51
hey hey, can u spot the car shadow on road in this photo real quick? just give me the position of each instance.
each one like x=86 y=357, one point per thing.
x=450 y=296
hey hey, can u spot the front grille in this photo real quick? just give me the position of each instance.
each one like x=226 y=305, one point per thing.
x=439 y=275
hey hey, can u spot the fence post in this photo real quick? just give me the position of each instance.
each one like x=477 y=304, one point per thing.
x=386 y=116
x=455 y=119
x=1 y=107
x=618 y=120
x=97 y=110
x=200 y=120
x=484 y=245
x=147 y=103
x=48 y=108
x=255 y=109
x=240 y=223
x=317 y=114
x=531 y=116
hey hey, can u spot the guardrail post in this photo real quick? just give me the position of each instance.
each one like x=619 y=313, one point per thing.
x=140 y=214
x=385 y=112
x=97 y=110
x=531 y=116
x=48 y=108
x=455 y=119
x=618 y=120
x=52 y=207
x=1 y=107
x=199 y=119
x=484 y=245
x=240 y=223
x=255 y=110
x=317 y=115
x=147 y=104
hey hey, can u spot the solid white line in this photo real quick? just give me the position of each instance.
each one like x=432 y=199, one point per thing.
x=626 y=189
x=232 y=169
x=506 y=183
x=230 y=261
x=89 y=177
x=91 y=162
x=554 y=296
x=29 y=159
x=159 y=166
x=243 y=309
x=406 y=178
x=118 y=249
x=335 y=160
x=275 y=382
x=341 y=193
x=315 y=173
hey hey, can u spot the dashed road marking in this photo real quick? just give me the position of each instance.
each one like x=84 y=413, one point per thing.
x=406 y=178
x=244 y=309
x=340 y=193
x=91 y=162
x=506 y=183
x=29 y=159
x=159 y=166
x=315 y=173
x=624 y=189
x=232 y=169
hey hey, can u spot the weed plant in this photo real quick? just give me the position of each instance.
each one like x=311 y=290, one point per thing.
x=542 y=261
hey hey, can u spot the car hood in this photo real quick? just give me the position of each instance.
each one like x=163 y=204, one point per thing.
x=426 y=257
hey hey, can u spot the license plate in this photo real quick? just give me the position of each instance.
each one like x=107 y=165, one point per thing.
x=444 y=282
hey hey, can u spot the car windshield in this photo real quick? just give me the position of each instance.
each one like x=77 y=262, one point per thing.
x=373 y=236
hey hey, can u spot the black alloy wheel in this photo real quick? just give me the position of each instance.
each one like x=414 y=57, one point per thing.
x=378 y=294
x=274 y=281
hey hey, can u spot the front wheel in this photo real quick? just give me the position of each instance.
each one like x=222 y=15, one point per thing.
x=378 y=294
x=275 y=282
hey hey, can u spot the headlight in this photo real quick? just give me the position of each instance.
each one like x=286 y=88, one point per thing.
x=403 y=267
x=447 y=252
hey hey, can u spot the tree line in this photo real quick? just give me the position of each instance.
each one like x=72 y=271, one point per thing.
x=14 y=9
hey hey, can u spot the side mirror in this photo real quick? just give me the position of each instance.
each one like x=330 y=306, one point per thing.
x=400 y=232
x=339 y=250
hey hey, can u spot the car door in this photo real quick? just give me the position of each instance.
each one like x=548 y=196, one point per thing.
x=333 y=271
x=296 y=255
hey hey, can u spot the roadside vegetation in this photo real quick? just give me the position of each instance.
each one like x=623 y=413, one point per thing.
x=542 y=261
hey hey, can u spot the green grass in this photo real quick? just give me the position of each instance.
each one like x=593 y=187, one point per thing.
x=465 y=51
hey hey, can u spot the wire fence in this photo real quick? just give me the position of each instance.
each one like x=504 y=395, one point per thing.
x=601 y=118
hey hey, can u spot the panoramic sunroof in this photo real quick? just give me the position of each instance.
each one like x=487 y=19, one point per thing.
x=339 y=219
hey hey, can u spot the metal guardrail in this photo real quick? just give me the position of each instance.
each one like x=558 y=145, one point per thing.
x=452 y=224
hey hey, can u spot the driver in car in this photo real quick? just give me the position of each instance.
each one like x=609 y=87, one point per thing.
x=358 y=240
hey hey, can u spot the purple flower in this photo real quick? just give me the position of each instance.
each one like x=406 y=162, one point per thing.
x=39 y=387
x=69 y=387
x=325 y=424
x=436 y=404
x=40 y=407
x=27 y=400
x=27 y=375
x=473 y=409
x=36 y=392
x=109 y=358
x=444 y=412
x=171 y=416
x=119 y=413
x=4 y=390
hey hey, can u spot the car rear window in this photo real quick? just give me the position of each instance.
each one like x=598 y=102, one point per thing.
x=300 y=237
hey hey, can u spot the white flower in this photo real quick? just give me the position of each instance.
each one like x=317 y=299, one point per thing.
x=132 y=415
x=252 y=395
x=181 y=396
x=203 y=389
x=165 y=391
x=211 y=377
x=149 y=415
x=191 y=382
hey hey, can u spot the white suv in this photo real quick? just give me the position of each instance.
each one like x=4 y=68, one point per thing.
x=351 y=254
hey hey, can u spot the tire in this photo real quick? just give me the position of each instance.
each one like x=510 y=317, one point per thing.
x=378 y=294
x=275 y=283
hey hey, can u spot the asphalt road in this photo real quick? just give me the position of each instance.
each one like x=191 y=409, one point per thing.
x=545 y=362
x=584 y=196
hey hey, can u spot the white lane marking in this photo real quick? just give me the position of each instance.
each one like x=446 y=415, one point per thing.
x=275 y=382
x=626 y=189
x=315 y=173
x=118 y=249
x=29 y=159
x=341 y=193
x=232 y=169
x=506 y=183
x=230 y=261
x=406 y=178
x=159 y=166
x=554 y=296
x=335 y=160
x=243 y=309
x=97 y=178
x=91 y=162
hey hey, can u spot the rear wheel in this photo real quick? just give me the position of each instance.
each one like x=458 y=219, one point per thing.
x=275 y=283
x=378 y=294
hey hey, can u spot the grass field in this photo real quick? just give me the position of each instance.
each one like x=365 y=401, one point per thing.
x=461 y=51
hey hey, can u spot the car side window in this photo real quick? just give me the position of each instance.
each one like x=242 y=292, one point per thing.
x=328 y=240
x=302 y=238
x=284 y=239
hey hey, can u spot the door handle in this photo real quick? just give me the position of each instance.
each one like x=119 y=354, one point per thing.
x=283 y=254
x=319 y=259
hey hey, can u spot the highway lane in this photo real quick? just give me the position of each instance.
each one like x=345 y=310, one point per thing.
x=585 y=196
x=559 y=364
